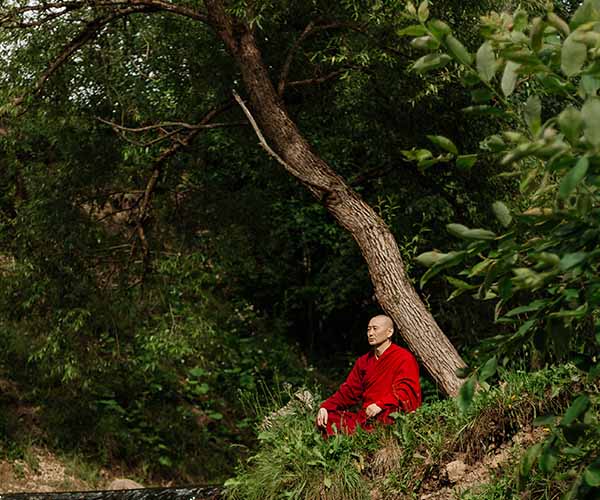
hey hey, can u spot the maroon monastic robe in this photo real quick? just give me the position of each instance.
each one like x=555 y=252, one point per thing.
x=391 y=382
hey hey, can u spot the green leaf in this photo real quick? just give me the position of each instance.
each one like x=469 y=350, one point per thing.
x=590 y=84
x=484 y=109
x=488 y=369
x=533 y=113
x=444 y=143
x=327 y=482
x=439 y=28
x=572 y=57
x=591 y=474
x=502 y=213
x=481 y=95
x=413 y=30
x=465 y=394
x=509 y=77
x=573 y=177
x=431 y=62
x=470 y=234
x=197 y=372
x=486 y=62
x=548 y=458
x=588 y=11
x=544 y=421
x=571 y=124
x=529 y=459
x=537 y=34
x=460 y=287
x=577 y=408
x=426 y=42
x=449 y=260
x=428 y=259
x=525 y=327
x=571 y=260
x=558 y=23
x=423 y=11
x=590 y=113
x=458 y=50
x=520 y=20
x=536 y=305
x=465 y=162
x=455 y=282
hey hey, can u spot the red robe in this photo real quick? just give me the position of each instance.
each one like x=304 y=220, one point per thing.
x=391 y=382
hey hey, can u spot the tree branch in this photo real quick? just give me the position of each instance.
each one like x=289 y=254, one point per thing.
x=261 y=137
x=311 y=28
x=181 y=125
x=157 y=171
x=318 y=80
x=76 y=5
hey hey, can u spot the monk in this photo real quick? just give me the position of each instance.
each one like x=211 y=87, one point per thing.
x=383 y=381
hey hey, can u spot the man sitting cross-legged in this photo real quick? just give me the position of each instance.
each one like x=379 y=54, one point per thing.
x=384 y=381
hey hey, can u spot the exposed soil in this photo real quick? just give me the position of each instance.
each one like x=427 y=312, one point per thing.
x=461 y=475
x=42 y=472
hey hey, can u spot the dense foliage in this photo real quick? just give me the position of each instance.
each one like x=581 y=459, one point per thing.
x=159 y=277
x=540 y=77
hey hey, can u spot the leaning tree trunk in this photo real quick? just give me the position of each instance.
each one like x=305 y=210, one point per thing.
x=394 y=291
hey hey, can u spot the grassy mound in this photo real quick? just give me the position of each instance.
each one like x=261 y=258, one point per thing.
x=418 y=456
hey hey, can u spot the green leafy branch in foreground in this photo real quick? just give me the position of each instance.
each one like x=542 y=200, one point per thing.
x=542 y=271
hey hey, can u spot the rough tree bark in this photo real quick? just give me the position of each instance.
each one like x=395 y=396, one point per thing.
x=394 y=291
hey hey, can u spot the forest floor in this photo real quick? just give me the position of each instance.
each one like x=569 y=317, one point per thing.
x=42 y=471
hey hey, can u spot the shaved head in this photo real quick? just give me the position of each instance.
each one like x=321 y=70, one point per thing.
x=380 y=331
x=384 y=321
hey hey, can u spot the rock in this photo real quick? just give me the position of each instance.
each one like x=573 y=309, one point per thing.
x=123 y=484
x=456 y=470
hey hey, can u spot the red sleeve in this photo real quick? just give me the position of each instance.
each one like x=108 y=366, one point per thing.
x=349 y=393
x=406 y=389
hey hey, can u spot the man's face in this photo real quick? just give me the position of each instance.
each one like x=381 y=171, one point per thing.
x=378 y=331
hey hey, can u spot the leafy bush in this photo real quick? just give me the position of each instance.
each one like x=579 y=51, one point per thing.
x=539 y=79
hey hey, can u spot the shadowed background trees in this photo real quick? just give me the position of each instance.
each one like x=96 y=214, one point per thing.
x=153 y=254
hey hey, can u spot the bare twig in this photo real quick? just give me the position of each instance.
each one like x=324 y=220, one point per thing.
x=257 y=131
x=182 y=125
x=156 y=173
x=318 y=80
x=310 y=30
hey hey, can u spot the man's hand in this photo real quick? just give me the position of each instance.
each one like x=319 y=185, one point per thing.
x=372 y=410
x=322 y=417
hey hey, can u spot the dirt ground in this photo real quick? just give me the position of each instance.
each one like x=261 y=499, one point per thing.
x=43 y=472
x=463 y=477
